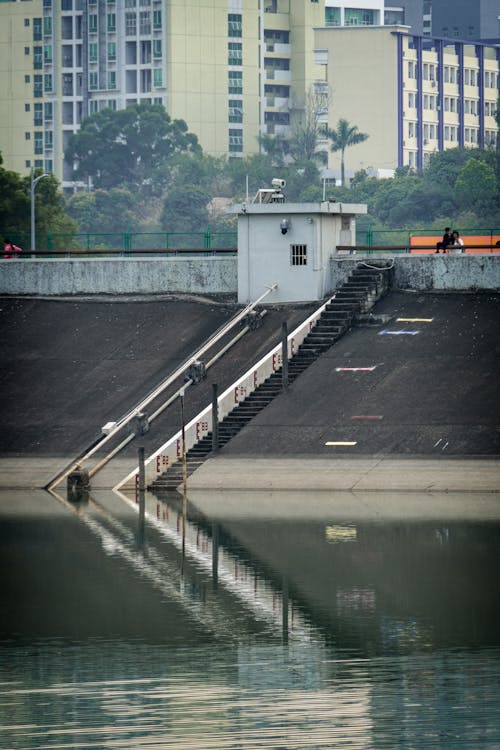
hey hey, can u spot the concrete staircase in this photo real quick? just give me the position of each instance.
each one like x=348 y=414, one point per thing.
x=356 y=296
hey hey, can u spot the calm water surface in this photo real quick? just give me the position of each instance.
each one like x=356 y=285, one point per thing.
x=277 y=634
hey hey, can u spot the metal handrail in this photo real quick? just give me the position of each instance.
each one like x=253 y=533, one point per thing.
x=159 y=389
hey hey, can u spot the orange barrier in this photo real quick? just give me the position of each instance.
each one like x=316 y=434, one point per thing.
x=473 y=244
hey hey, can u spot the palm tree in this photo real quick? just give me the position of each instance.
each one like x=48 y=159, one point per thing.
x=343 y=136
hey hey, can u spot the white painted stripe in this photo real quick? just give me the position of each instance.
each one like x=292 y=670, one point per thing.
x=355 y=369
x=341 y=442
x=414 y=320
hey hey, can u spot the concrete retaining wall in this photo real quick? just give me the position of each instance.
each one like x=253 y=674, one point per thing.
x=431 y=272
x=55 y=277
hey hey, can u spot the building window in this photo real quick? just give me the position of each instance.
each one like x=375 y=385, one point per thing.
x=47 y=26
x=130 y=24
x=93 y=81
x=234 y=25
x=38 y=114
x=93 y=23
x=111 y=51
x=235 y=110
x=27 y=107
x=37 y=86
x=48 y=111
x=298 y=255
x=93 y=106
x=111 y=79
x=112 y=104
x=411 y=100
x=27 y=136
x=111 y=22
x=156 y=48
x=235 y=82
x=92 y=52
x=157 y=19
x=37 y=58
x=26 y=21
x=157 y=78
x=66 y=4
x=447 y=133
x=235 y=53
x=235 y=140
x=49 y=167
x=27 y=78
x=411 y=158
x=37 y=29
x=47 y=54
x=332 y=16
x=411 y=129
x=38 y=143
x=48 y=82
x=355 y=17
x=473 y=78
x=144 y=22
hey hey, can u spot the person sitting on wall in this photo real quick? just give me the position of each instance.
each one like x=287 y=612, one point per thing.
x=447 y=240
x=457 y=243
x=10 y=250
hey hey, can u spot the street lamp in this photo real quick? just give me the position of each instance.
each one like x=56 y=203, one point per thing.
x=34 y=182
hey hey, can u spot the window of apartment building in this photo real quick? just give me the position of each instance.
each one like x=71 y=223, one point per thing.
x=235 y=140
x=157 y=19
x=411 y=129
x=332 y=16
x=38 y=164
x=38 y=114
x=467 y=106
x=467 y=135
x=412 y=69
x=144 y=2
x=157 y=51
x=37 y=29
x=158 y=100
x=48 y=82
x=49 y=139
x=67 y=56
x=145 y=51
x=298 y=255
x=27 y=78
x=93 y=81
x=112 y=104
x=411 y=100
x=467 y=77
x=234 y=24
x=144 y=22
x=66 y=4
x=130 y=24
x=47 y=25
x=111 y=79
x=235 y=110
x=92 y=23
x=111 y=22
x=145 y=78
x=447 y=132
x=473 y=77
x=447 y=104
x=38 y=143
x=27 y=163
x=49 y=166
x=37 y=58
x=473 y=135
x=235 y=53
x=26 y=21
x=157 y=78
x=67 y=84
x=26 y=50
x=27 y=107
x=92 y=52
x=66 y=27
x=446 y=73
x=432 y=132
x=48 y=111
x=426 y=133
x=426 y=101
x=453 y=104
x=411 y=158
x=432 y=72
x=130 y=3
x=355 y=17
x=47 y=54
x=235 y=82
x=453 y=75
x=111 y=51
x=426 y=71
x=67 y=113
x=37 y=86
x=432 y=103
x=27 y=136
x=93 y=106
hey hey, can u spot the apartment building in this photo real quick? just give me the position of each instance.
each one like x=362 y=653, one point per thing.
x=412 y=95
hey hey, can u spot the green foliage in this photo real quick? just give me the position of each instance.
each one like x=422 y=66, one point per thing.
x=185 y=209
x=476 y=186
x=342 y=137
x=103 y=211
x=131 y=147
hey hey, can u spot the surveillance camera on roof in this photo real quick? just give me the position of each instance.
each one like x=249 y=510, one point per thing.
x=277 y=183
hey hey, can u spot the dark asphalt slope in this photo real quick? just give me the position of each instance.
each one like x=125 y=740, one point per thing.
x=69 y=366
x=436 y=392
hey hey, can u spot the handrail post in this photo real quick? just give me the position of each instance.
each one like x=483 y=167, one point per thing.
x=215 y=418
x=284 y=355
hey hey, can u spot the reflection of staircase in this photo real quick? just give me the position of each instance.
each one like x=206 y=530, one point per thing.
x=357 y=295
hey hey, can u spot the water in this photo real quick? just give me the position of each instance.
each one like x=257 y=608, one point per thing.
x=278 y=633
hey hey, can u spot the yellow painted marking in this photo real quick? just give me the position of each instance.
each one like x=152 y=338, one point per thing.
x=340 y=442
x=415 y=320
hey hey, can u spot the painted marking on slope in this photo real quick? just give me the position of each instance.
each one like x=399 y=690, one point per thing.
x=398 y=333
x=368 y=416
x=341 y=442
x=355 y=369
x=414 y=320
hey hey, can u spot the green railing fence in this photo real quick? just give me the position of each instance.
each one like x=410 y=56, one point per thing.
x=207 y=241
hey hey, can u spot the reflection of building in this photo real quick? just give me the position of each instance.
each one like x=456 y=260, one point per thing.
x=411 y=94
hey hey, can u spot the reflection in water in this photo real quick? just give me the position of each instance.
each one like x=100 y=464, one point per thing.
x=277 y=634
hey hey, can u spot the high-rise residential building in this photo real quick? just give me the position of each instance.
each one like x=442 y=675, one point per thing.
x=462 y=19
x=412 y=95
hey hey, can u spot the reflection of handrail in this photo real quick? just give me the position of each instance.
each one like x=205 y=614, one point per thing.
x=201 y=425
x=223 y=331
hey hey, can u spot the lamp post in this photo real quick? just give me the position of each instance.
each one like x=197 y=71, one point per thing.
x=34 y=182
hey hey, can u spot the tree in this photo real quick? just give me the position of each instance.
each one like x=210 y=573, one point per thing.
x=185 y=209
x=104 y=211
x=476 y=188
x=130 y=147
x=308 y=128
x=342 y=137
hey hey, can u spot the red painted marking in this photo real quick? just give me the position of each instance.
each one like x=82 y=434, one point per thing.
x=368 y=416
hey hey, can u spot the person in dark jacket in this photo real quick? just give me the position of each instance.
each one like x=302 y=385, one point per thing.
x=447 y=240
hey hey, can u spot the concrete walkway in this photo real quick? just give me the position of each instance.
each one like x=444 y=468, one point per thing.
x=376 y=473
